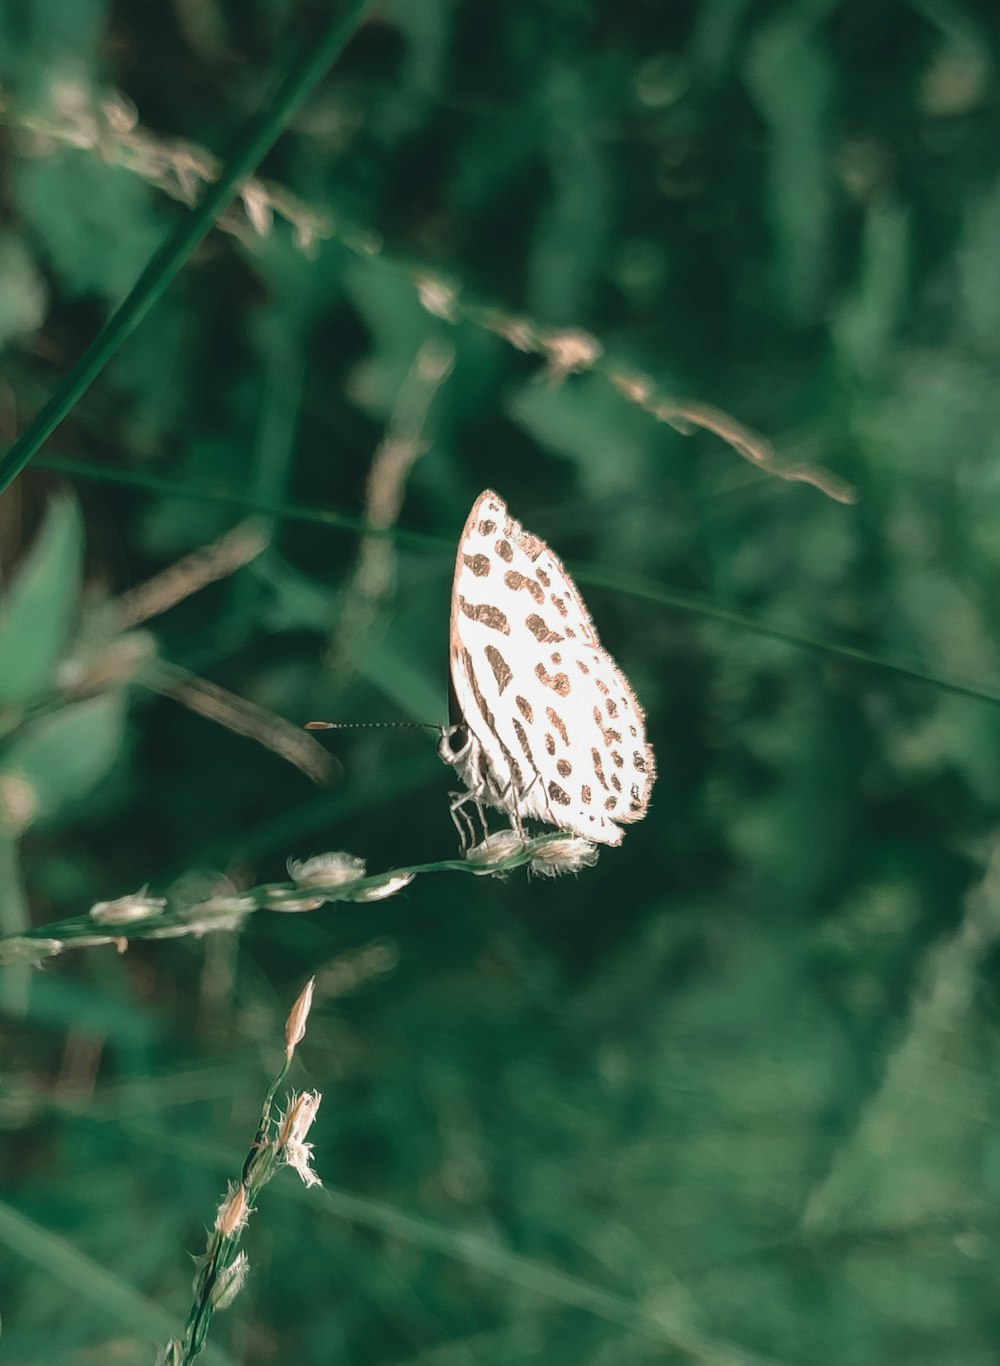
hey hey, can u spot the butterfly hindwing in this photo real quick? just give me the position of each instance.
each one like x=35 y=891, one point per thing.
x=559 y=734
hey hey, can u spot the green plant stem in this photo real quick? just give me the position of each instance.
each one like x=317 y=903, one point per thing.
x=315 y=57
x=261 y=1163
x=646 y=592
x=241 y=499
x=264 y=1126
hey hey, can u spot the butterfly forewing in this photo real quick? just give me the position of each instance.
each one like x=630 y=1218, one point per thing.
x=559 y=735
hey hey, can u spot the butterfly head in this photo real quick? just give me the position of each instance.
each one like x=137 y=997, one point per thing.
x=456 y=743
x=461 y=749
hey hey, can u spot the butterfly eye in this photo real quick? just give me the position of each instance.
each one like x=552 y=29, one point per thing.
x=454 y=743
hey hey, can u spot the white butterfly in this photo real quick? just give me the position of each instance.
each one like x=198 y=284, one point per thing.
x=544 y=723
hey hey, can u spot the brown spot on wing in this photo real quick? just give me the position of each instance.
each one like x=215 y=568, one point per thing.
x=619 y=761
x=516 y=778
x=616 y=782
x=485 y=614
x=524 y=707
x=557 y=682
x=515 y=581
x=522 y=738
x=540 y=631
x=501 y=669
x=585 y=794
x=479 y=564
x=557 y=722
x=610 y=803
x=599 y=768
x=556 y=794
x=550 y=743
x=582 y=667
x=487 y=528
x=560 y=605
x=610 y=736
x=531 y=545
x=542 y=577
x=639 y=761
x=611 y=707
x=505 y=550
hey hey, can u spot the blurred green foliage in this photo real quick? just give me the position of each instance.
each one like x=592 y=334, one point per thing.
x=731 y=1096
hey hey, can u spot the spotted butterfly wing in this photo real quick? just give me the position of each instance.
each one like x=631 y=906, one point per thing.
x=545 y=724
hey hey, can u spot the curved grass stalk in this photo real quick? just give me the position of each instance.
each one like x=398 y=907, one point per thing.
x=177 y=168
x=315 y=882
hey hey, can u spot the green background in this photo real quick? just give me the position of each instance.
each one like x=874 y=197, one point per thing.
x=730 y=1096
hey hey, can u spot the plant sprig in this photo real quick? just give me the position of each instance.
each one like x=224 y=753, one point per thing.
x=314 y=882
x=279 y=1142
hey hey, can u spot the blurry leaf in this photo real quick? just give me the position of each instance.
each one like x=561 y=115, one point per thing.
x=398 y=676
x=302 y=285
x=585 y=421
x=38 y=605
x=97 y=223
x=978 y=265
x=715 y=42
x=398 y=325
x=570 y=247
x=90 y=1283
x=815 y=771
x=919 y=1144
x=942 y=401
x=67 y=1003
x=789 y=71
x=62 y=756
x=172 y=526
x=946 y=615
x=152 y=372
x=294 y=601
x=46 y=43
x=866 y=321
x=427 y=29
x=948 y=739
x=493 y=156
x=960 y=72
x=23 y=296
x=14 y=919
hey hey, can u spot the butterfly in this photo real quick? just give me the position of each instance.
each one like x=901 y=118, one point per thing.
x=544 y=724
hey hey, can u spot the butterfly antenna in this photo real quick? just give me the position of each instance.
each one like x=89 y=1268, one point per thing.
x=369 y=725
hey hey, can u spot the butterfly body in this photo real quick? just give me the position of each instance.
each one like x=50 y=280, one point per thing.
x=545 y=725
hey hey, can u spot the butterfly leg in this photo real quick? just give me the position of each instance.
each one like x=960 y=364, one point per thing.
x=460 y=820
x=482 y=816
x=463 y=821
x=512 y=797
